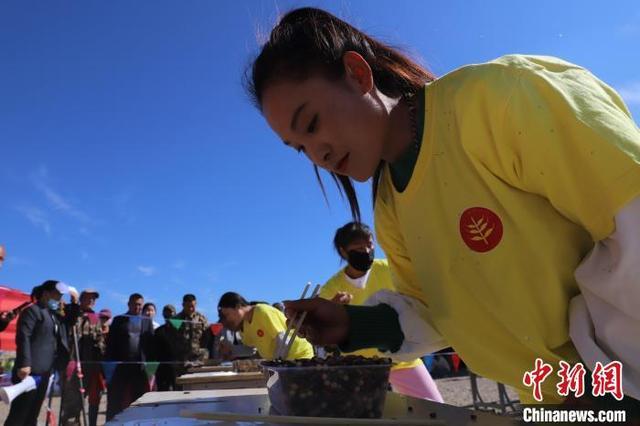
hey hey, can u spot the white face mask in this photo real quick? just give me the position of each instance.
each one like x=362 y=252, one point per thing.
x=358 y=282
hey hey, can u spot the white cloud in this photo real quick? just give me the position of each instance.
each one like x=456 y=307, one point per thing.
x=41 y=181
x=118 y=297
x=147 y=271
x=630 y=93
x=37 y=217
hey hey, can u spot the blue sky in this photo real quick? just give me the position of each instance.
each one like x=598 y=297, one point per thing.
x=131 y=160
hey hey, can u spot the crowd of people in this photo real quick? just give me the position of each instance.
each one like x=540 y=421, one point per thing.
x=93 y=351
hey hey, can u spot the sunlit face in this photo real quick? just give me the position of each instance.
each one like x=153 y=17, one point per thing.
x=189 y=307
x=135 y=306
x=87 y=301
x=363 y=245
x=339 y=125
x=231 y=318
x=2 y=255
x=149 y=311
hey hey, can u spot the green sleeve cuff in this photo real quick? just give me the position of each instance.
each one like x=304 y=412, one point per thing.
x=373 y=327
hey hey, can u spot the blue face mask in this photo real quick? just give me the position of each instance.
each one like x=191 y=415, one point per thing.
x=54 y=305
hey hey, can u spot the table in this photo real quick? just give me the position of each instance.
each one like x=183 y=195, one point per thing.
x=164 y=408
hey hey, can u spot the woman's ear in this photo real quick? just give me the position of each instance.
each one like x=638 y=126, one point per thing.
x=343 y=254
x=358 y=72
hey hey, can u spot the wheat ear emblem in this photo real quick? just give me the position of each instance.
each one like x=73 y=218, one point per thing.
x=480 y=230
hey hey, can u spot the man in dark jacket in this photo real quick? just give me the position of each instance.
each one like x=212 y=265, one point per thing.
x=165 y=353
x=42 y=347
x=130 y=340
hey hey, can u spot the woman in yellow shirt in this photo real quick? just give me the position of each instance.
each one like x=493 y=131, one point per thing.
x=262 y=326
x=355 y=283
x=507 y=200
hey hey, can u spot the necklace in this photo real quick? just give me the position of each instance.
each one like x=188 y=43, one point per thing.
x=412 y=105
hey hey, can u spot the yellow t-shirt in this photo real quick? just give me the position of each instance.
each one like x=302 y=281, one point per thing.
x=524 y=163
x=266 y=324
x=379 y=279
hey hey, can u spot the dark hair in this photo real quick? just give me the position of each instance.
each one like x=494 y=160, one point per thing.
x=135 y=296
x=310 y=41
x=146 y=305
x=350 y=232
x=170 y=309
x=233 y=300
x=49 y=285
x=188 y=298
x=36 y=292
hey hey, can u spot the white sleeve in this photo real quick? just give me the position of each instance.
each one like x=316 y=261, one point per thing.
x=420 y=338
x=604 y=319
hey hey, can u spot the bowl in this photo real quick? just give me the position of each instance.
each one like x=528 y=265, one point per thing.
x=341 y=387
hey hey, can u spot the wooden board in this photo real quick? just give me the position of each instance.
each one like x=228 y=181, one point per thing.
x=218 y=377
x=210 y=368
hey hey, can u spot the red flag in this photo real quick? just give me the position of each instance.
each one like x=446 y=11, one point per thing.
x=455 y=359
x=51 y=418
x=216 y=328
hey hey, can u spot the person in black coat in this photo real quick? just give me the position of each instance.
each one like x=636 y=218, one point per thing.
x=130 y=340
x=165 y=352
x=42 y=347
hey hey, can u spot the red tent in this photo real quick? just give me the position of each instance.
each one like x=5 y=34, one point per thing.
x=9 y=299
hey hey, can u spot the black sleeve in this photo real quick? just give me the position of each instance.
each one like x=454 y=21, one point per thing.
x=111 y=340
x=26 y=325
x=147 y=340
x=66 y=342
x=4 y=323
x=373 y=327
x=71 y=314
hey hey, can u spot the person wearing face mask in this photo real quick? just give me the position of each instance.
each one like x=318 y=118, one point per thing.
x=363 y=276
x=42 y=347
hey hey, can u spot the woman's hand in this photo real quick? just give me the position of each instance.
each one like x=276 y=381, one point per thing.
x=342 y=297
x=326 y=323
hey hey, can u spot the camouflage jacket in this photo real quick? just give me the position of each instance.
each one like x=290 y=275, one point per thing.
x=191 y=341
x=91 y=339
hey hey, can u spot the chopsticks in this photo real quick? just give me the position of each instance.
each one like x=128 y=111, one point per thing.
x=279 y=346
x=282 y=351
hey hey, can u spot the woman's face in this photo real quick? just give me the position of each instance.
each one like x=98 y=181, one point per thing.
x=364 y=245
x=149 y=311
x=231 y=318
x=340 y=125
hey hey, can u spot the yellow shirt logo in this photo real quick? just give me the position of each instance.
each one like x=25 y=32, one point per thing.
x=481 y=229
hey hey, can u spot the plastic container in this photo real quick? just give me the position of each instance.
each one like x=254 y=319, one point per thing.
x=351 y=391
